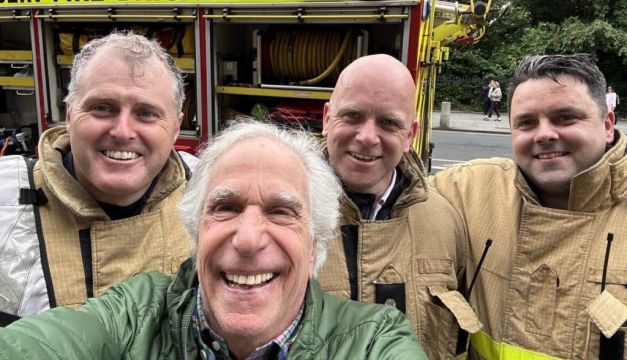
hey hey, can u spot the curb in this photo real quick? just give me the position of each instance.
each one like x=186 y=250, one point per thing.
x=457 y=129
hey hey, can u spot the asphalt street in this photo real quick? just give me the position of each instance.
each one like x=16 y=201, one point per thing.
x=466 y=121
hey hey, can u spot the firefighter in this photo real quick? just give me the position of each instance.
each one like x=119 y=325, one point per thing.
x=556 y=270
x=101 y=204
x=401 y=244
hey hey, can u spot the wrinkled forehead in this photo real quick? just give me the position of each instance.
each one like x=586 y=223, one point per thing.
x=262 y=162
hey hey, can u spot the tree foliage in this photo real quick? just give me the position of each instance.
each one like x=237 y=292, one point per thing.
x=538 y=27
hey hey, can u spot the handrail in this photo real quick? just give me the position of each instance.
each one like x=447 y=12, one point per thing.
x=114 y=16
x=307 y=17
x=14 y=17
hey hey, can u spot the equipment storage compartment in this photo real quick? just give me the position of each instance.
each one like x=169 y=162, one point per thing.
x=283 y=62
x=18 y=108
x=66 y=30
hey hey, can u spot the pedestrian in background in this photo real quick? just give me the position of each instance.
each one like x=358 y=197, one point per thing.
x=486 y=97
x=495 y=96
x=611 y=98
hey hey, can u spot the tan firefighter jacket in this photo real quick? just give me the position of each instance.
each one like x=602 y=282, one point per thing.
x=67 y=249
x=412 y=261
x=538 y=292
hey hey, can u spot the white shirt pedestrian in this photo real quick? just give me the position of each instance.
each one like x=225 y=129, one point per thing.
x=611 y=99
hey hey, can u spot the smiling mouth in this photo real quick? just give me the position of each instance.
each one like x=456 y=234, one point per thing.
x=248 y=281
x=362 y=157
x=120 y=155
x=551 y=155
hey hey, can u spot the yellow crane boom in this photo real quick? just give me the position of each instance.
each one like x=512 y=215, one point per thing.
x=444 y=23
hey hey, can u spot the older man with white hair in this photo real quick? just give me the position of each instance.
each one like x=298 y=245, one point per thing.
x=261 y=207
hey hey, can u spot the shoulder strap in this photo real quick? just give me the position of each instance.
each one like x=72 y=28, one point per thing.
x=37 y=197
x=30 y=195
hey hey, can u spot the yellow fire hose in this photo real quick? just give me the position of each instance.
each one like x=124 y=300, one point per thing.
x=308 y=57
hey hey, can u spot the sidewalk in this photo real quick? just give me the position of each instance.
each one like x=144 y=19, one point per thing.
x=464 y=121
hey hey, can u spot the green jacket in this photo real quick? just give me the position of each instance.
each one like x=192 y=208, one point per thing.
x=148 y=317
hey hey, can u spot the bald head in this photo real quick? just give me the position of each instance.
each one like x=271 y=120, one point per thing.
x=382 y=71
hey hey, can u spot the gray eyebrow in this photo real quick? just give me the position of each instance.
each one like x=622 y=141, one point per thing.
x=283 y=198
x=288 y=199
x=220 y=194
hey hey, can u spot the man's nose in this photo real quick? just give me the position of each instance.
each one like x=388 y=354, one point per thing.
x=368 y=133
x=545 y=131
x=123 y=126
x=251 y=236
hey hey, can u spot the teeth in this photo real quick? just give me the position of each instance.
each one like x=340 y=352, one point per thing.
x=550 y=155
x=363 y=157
x=121 y=155
x=249 y=279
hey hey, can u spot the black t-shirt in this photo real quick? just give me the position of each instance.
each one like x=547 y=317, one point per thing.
x=115 y=212
x=366 y=202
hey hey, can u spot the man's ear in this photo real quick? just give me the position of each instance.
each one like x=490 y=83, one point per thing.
x=609 y=127
x=325 y=119
x=68 y=115
x=179 y=121
x=413 y=131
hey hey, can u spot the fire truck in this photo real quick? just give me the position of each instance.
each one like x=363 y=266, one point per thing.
x=276 y=59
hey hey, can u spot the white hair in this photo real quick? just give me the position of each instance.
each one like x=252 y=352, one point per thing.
x=324 y=188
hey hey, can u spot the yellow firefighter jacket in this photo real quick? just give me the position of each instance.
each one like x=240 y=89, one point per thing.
x=412 y=260
x=83 y=250
x=538 y=291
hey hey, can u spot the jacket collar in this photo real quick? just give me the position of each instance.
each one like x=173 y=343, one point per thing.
x=597 y=187
x=55 y=143
x=180 y=298
x=309 y=334
x=415 y=190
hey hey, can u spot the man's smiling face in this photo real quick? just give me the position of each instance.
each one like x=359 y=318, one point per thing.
x=557 y=132
x=369 y=123
x=255 y=252
x=122 y=126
